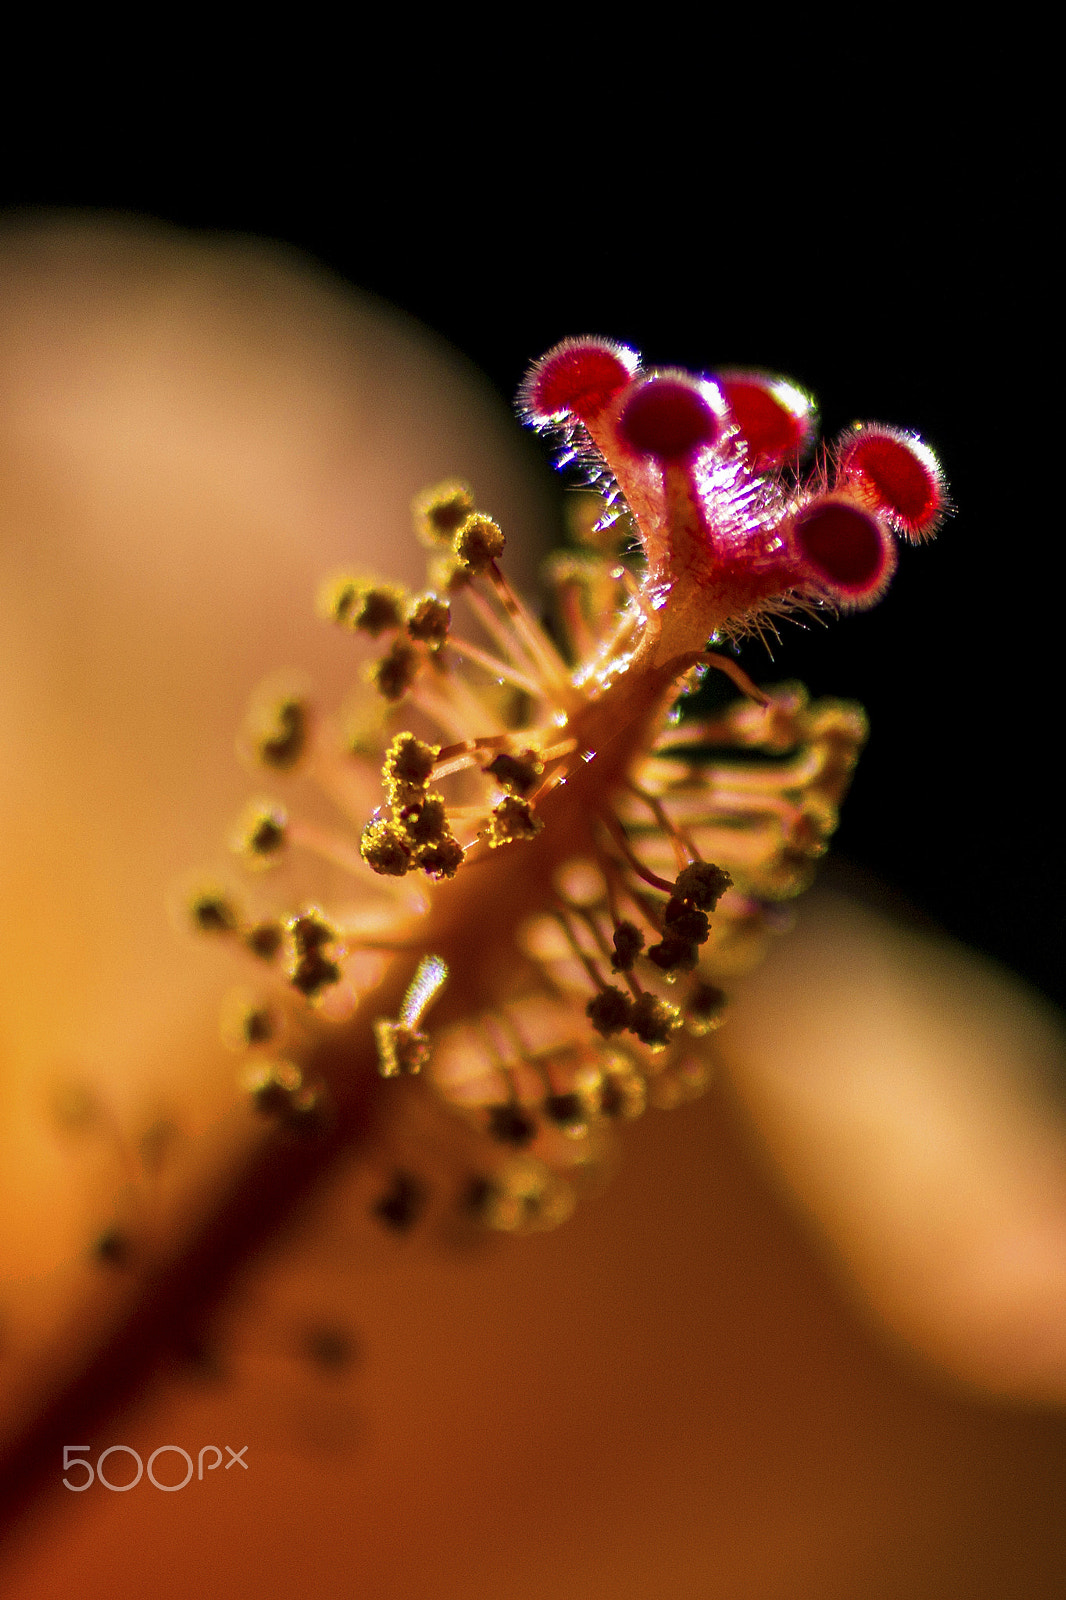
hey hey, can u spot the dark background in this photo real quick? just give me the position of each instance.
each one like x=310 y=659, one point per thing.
x=898 y=286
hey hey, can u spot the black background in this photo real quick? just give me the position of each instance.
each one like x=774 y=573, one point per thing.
x=900 y=285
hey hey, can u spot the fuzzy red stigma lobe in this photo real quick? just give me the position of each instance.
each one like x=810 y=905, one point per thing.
x=774 y=418
x=845 y=549
x=578 y=378
x=897 y=474
x=670 y=417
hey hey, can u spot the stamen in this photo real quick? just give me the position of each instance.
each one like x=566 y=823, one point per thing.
x=628 y=943
x=703 y=883
x=309 y=969
x=683 y=847
x=513 y=819
x=461 y=757
x=479 y=542
x=737 y=674
x=213 y=912
x=277 y=730
x=362 y=605
x=264 y=940
x=654 y=1021
x=497 y=668
x=519 y=773
x=536 y=642
x=402 y=1203
x=262 y=834
x=394 y=674
x=595 y=976
x=704 y=1008
x=439 y=513
x=618 y=834
x=409 y=764
x=328 y=845
x=278 y=1090
x=430 y=976
x=402 y=1046
x=428 y=620
x=610 y=1011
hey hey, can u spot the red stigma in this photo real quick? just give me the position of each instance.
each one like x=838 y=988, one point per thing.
x=708 y=469
x=845 y=549
x=898 y=474
x=578 y=378
x=669 y=418
x=773 y=418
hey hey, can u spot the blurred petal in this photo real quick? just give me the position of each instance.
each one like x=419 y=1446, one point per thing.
x=910 y=1094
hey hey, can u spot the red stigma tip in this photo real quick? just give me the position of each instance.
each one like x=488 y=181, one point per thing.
x=845 y=549
x=577 y=379
x=897 y=473
x=669 y=417
x=774 y=419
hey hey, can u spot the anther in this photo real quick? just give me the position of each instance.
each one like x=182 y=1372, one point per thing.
x=479 y=542
x=277 y=732
x=113 y=1248
x=265 y=939
x=385 y=848
x=402 y=1046
x=403 y=1202
x=310 y=971
x=509 y=1124
x=623 y=1093
x=372 y=608
x=261 y=834
x=442 y=858
x=682 y=920
x=702 y=884
x=518 y=774
x=247 y=1024
x=428 y=620
x=401 y=1049
x=271 y=1086
x=309 y=1113
x=512 y=820
x=703 y=1008
x=394 y=674
x=425 y=821
x=610 y=1011
x=213 y=913
x=439 y=513
x=568 y=1111
x=654 y=1021
x=628 y=943
x=674 y=954
x=408 y=767
x=257 y=1026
